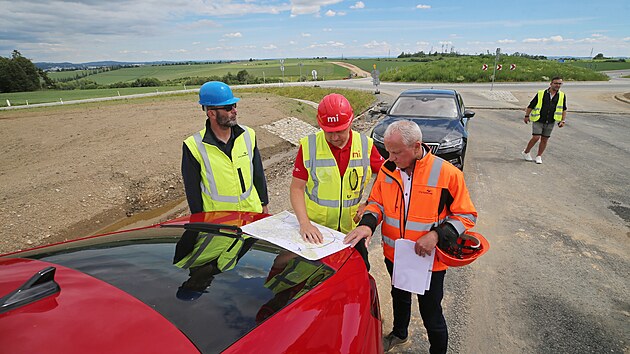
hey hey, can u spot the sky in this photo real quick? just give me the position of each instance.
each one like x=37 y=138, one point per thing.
x=179 y=30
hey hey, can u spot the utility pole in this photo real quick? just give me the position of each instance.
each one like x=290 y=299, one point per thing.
x=494 y=72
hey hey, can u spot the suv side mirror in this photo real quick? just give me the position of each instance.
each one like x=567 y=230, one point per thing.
x=469 y=114
x=384 y=109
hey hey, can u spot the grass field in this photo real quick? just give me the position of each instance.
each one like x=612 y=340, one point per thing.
x=425 y=69
x=262 y=68
x=600 y=65
x=382 y=65
x=469 y=69
x=23 y=98
x=360 y=100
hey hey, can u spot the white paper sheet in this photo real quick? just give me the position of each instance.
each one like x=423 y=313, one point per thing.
x=283 y=229
x=411 y=272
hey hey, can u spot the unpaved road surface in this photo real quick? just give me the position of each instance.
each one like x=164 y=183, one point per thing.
x=70 y=171
x=355 y=70
x=556 y=279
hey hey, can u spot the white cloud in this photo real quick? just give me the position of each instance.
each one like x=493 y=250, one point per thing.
x=445 y=42
x=332 y=44
x=358 y=5
x=179 y=51
x=330 y=13
x=423 y=7
x=309 y=7
x=327 y=30
x=375 y=44
x=269 y=47
x=196 y=43
x=506 y=41
x=555 y=39
x=422 y=43
x=627 y=39
x=596 y=35
x=233 y=35
x=306 y=34
x=201 y=24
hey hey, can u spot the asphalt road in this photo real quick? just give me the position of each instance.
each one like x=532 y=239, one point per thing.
x=556 y=279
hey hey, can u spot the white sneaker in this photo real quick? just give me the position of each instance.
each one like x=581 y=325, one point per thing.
x=526 y=156
x=538 y=159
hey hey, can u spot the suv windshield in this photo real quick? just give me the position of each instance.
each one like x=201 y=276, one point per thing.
x=425 y=106
x=214 y=287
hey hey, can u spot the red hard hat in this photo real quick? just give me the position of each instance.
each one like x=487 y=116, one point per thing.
x=334 y=113
x=470 y=246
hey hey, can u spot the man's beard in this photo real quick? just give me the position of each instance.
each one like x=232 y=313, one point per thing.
x=225 y=121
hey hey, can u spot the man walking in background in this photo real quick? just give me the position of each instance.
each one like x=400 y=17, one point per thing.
x=546 y=108
x=221 y=165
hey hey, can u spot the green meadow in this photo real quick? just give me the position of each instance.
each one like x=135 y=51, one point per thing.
x=269 y=69
x=429 y=68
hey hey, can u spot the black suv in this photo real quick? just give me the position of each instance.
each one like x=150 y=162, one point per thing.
x=440 y=114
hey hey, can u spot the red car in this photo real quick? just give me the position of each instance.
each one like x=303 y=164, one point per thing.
x=193 y=284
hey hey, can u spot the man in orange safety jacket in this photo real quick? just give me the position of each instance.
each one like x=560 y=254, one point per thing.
x=419 y=197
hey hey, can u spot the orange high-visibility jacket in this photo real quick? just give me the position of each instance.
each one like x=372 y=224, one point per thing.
x=433 y=180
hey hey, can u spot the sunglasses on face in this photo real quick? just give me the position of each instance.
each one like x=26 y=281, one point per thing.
x=227 y=108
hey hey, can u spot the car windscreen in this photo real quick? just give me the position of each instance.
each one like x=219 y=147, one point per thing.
x=425 y=106
x=214 y=287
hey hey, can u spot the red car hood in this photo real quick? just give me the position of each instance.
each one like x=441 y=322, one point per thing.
x=84 y=305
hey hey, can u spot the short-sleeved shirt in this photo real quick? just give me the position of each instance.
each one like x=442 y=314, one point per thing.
x=548 y=108
x=342 y=156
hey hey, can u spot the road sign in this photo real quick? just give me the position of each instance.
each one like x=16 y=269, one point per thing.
x=512 y=66
x=484 y=67
x=499 y=66
x=375 y=74
x=314 y=73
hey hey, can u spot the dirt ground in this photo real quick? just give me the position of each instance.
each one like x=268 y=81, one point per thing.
x=356 y=71
x=72 y=171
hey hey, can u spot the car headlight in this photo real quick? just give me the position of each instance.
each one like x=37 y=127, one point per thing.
x=377 y=134
x=452 y=144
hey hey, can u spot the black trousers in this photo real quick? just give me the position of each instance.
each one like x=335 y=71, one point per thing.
x=430 y=310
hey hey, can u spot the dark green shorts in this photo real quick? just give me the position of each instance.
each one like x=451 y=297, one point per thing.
x=543 y=129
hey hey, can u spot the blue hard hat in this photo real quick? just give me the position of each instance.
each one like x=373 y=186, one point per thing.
x=216 y=93
x=188 y=294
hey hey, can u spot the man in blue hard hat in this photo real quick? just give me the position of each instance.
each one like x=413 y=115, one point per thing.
x=221 y=165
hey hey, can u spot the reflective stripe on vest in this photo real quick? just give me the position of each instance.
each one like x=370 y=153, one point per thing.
x=296 y=271
x=213 y=192
x=434 y=174
x=331 y=199
x=227 y=182
x=209 y=247
x=534 y=115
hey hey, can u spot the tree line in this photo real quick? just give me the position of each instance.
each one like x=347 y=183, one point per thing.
x=18 y=74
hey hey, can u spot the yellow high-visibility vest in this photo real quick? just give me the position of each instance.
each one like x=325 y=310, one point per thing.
x=331 y=199
x=209 y=247
x=227 y=184
x=557 y=115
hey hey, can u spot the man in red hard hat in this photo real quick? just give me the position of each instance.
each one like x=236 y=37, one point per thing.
x=331 y=171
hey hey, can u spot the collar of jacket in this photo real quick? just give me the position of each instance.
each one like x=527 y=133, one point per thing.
x=390 y=167
x=210 y=138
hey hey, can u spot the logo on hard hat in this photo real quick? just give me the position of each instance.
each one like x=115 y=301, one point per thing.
x=333 y=119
